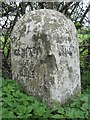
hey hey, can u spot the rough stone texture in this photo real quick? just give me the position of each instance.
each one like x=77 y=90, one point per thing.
x=45 y=56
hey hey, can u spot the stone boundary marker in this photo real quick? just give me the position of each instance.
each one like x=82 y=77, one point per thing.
x=45 y=56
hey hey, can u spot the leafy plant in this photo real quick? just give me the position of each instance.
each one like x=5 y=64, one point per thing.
x=16 y=104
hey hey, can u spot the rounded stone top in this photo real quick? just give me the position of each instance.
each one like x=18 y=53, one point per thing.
x=48 y=22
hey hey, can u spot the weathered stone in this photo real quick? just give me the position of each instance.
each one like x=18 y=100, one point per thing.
x=45 y=56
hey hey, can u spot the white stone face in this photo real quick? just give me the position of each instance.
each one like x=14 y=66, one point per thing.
x=45 y=56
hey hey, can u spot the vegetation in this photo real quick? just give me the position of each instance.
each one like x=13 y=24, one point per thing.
x=17 y=104
x=83 y=39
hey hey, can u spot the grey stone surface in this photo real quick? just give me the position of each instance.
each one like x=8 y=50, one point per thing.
x=45 y=56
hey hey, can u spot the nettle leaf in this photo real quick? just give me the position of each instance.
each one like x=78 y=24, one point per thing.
x=1 y=103
x=74 y=113
x=24 y=116
x=30 y=98
x=17 y=94
x=25 y=99
x=56 y=116
x=0 y=93
x=5 y=89
x=22 y=100
x=85 y=107
x=87 y=114
x=36 y=104
x=47 y=114
x=11 y=115
x=10 y=97
x=7 y=99
x=29 y=109
x=39 y=111
x=76 y=103
x=21 y=109
x=4 y=115
x=15 y=104
x=73 y=104
x=26 y=103
x=84 y=98
x=61 y=110
x=5 y=112
x=79 y=114
x=10 y=104
x=0 y=117
x=10 y=87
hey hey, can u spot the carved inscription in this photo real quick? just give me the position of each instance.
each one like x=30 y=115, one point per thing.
x=26 y=69
x=27 y=52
